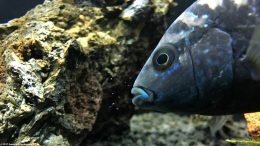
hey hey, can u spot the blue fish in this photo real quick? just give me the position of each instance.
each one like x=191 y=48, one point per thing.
x=207 y=62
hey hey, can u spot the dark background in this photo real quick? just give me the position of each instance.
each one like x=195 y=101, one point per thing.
x=10 y=9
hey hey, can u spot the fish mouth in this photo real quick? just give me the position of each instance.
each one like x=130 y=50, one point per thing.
x=142 y=97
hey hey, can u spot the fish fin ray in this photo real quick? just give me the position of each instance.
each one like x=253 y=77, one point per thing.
x=217 y=123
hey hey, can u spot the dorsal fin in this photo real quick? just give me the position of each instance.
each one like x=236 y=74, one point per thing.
x=253 y=54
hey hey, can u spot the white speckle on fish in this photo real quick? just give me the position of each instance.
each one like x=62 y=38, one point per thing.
x=240 y=3
x=191 y=19
x=211 y=3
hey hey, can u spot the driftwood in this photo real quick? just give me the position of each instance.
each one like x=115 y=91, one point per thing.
x=66 y=68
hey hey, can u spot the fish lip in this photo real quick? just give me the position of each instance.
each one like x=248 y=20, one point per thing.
x=142 y=96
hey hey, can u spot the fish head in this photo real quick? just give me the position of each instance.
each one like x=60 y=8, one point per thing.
x=166 y=82
x=186 y=77
x=191 y=67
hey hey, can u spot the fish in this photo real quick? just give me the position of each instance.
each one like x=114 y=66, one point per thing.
x=207 y=62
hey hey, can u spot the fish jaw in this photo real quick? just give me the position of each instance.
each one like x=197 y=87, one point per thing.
x=142 y=97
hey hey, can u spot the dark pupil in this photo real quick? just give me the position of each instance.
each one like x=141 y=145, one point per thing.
x=162 y=59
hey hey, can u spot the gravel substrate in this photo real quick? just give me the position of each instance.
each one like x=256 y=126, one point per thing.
x=156 y=129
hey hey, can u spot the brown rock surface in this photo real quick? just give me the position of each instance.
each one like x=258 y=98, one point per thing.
x=253 y=124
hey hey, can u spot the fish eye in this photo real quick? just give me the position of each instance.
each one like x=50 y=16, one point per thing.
x=164 y=57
